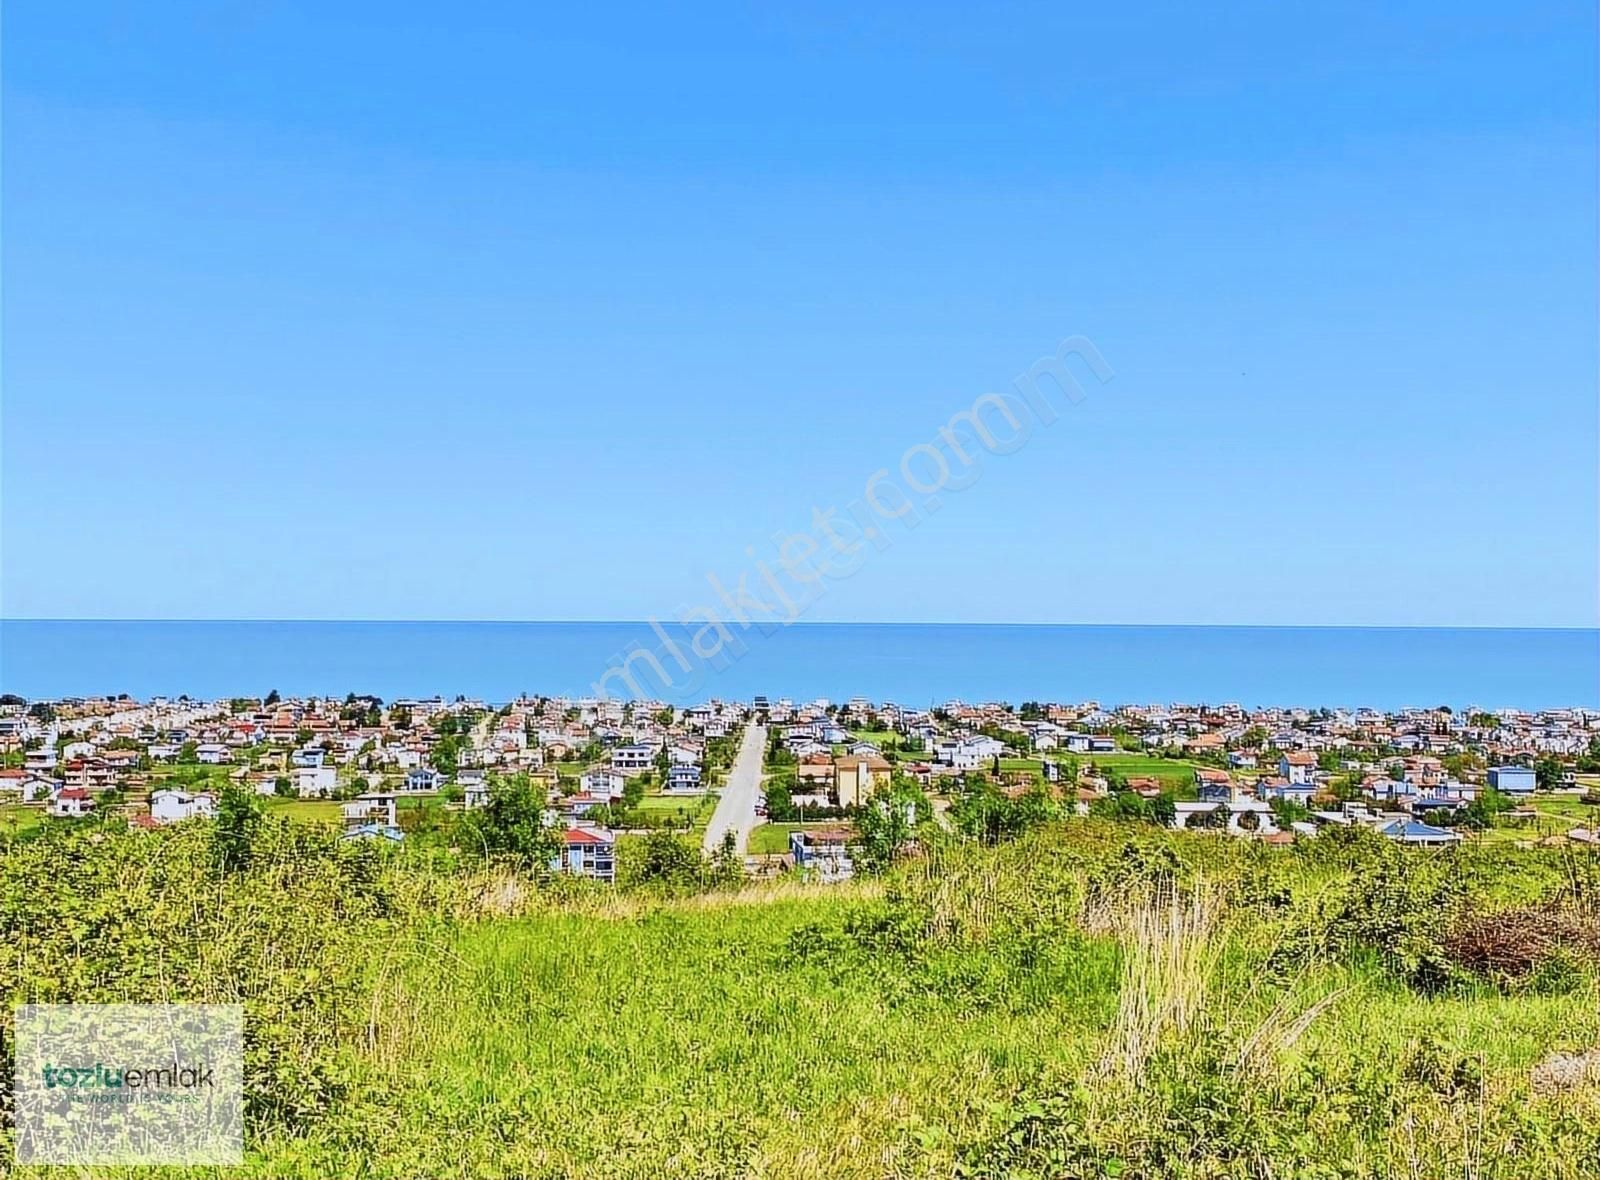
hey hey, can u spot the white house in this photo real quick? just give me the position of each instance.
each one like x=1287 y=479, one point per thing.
x=71 y=803
x=1297 y=767
x=374 y=807
x=168 y=806
x=311 y=782
x=602 y=783
x=637 y=756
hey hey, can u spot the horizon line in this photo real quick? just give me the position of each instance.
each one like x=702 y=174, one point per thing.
x=782 y=624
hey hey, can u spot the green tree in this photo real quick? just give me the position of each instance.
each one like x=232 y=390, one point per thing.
x=511 y=824
x=887 y=825
x=1548 y=772
x=445 y=757
x=238 y=820
x=670 y=861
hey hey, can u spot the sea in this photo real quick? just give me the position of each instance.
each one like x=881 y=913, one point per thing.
x=914 y=665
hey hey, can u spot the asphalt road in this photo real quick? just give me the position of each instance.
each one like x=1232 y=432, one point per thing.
x=736 y=809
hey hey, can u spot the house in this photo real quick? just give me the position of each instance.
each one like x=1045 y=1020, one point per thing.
x=1213 y=786
x=312 y=782
x=602 y=783
x=969 y=753
x=824 y=851
x=375 y=808
x=683 y=780
x=309 y=756
x=1513 y=780
x=815 y=768
x=635 y=757
x=213 y=754
x=1415 y=832
x=423 y=778
x=1242 y=759
x=588 y=852
x=858 y=776
x=1268 y=789
x=1298 y=767
x=41 y=760
x=169 y=806
x=71 y=803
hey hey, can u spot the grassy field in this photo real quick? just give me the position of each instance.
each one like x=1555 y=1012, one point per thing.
x=884 y=739
x=306 y=810
x=670 y=1023
x=16 y=818
x=1171 y=771
x=683 y=806
x=771 y=839
x=1091 y=1001
x=1021 y=765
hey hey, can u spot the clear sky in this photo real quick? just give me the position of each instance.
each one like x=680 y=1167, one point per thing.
x=390 y=310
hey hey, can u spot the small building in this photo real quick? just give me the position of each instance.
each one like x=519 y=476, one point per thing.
x=374 y=807
x=170 y=806
x=683 y=779
x=1213 y=786
x=859 y=776
x=422 y=779
x=1513 y=780
x=72 y=803
x=1415 y=832
x=825 y=851
x=603 y=783
x=1298 y=767
x=588 y=852
x=1269 y=789
x=635 y=757
x=314 y=782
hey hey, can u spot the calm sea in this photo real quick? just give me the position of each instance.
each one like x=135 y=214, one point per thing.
x=913 y=664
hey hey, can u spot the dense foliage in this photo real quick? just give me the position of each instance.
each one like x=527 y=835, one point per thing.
x=1079 y=998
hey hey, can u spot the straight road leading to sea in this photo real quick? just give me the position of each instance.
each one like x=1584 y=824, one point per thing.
x=736 y=809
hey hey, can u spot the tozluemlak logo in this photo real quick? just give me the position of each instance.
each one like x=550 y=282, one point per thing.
x=102 y=1076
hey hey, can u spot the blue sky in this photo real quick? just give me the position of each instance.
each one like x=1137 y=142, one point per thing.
x=481 y=311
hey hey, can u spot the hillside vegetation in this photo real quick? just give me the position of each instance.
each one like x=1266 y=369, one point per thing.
x=1090 y=1000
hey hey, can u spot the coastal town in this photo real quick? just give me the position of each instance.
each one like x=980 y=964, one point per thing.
x=782 y=785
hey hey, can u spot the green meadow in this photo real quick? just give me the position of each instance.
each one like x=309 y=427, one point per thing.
x=1093 y=999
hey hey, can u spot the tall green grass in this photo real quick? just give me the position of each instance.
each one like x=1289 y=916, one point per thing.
x=1091 y=1001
